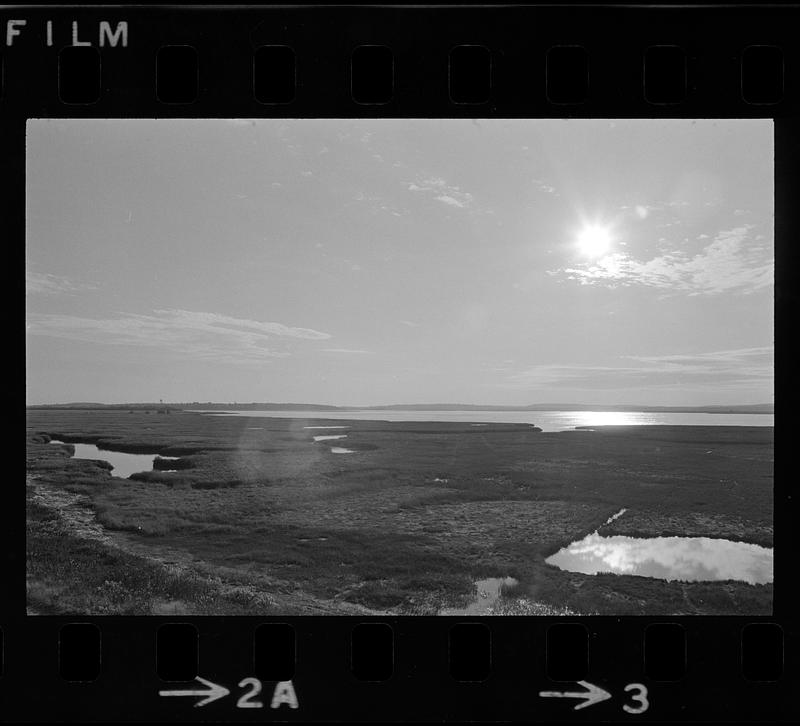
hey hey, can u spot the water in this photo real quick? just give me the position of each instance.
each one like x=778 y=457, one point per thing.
x=124 y=464
x=689 y=559
x=327 y=438
x=616 y=516
x=546 y=420
x=340 y=450
x=488 y=594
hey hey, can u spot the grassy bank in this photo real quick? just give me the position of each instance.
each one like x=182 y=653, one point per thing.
x=71 y=574
x=408 y=522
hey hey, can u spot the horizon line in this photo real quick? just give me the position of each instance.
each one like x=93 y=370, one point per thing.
x=394 y=405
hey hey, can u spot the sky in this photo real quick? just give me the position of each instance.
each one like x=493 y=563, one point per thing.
x=369 y=262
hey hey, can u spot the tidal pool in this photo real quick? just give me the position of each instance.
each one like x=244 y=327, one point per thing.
x=326 y=438
x=689 y=559
x=340 y=450
x=124 y=464
x=489 y=591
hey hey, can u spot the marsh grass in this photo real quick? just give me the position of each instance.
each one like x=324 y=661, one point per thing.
x=270 y=508
x=67 y=574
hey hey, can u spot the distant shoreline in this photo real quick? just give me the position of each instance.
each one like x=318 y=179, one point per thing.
x=765 y=408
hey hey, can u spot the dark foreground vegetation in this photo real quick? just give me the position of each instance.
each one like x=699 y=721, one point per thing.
x=261 y=519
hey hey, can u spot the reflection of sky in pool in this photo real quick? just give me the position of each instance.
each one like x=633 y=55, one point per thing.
x=668 y=558
x=326 y=438
x=124 y=464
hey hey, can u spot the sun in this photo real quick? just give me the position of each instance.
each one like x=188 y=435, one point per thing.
x=594 y=240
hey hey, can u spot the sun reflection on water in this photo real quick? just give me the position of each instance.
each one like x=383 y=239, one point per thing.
x=608 y=418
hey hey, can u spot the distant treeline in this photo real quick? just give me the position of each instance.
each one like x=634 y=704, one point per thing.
x=235 y=406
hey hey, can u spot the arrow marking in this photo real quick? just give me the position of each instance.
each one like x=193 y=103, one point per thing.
x=593 y=694
x=214 y=692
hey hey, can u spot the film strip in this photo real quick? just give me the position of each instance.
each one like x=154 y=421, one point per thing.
x=620 y=61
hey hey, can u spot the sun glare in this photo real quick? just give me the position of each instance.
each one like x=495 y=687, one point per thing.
x=594 y=240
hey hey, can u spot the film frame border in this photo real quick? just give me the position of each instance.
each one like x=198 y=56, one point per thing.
x=420 y=40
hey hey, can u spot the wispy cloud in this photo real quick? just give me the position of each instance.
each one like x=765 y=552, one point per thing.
x=643 y=211
x=543 y=186
x=45 y=284
x=658 y=206
x=377 y=203
x=731 y=356
x=441 y=191
x=733 y=368
x=726 y=264
x=196 y=334
x=346 y=350
x=452 y=201
x=733 y=365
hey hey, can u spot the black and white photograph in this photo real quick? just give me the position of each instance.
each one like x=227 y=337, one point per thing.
x=399 y=367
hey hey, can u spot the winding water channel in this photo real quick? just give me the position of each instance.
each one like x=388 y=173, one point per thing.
x=124 y=464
